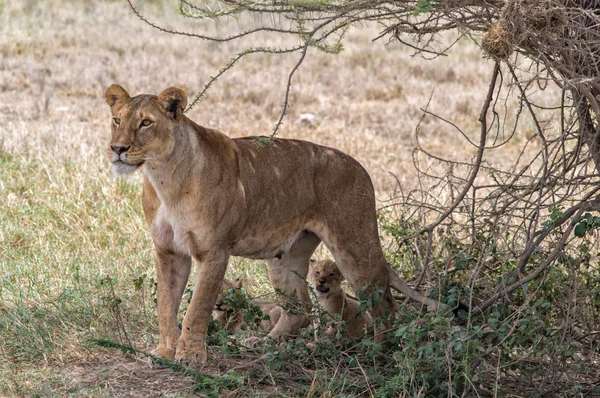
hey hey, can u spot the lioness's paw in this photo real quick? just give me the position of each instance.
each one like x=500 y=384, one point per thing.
x=253 y=342
x=191 y=354
x=160 y=353
x=192 y=359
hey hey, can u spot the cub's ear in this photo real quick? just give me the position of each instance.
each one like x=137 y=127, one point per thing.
x=173 y=100
x=116 y=97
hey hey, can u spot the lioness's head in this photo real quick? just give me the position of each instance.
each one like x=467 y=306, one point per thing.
x=325 y=276
x=225 y=315
x=142 y=126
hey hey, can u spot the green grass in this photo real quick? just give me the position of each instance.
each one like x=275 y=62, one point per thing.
x=65 y=230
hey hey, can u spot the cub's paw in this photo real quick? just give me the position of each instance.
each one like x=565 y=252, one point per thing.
x=159 y=355
x=191 y=354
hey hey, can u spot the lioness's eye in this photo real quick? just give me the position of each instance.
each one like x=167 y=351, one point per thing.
x=117 y=121
x=332 y=274
x=146 y=122
x=317 y=273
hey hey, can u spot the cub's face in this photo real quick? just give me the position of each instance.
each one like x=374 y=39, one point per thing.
x=142 y=127
x=226 y=316
x=325 y=277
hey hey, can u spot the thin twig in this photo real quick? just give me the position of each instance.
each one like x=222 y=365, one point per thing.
x=477 y=163
x=287 y=91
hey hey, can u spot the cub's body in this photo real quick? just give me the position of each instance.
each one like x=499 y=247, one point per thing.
x=327 y=282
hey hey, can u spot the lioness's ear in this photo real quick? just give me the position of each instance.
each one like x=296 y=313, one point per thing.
x=116 y=96
x=173 y=100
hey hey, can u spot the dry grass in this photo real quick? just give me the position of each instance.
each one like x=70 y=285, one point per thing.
x=66 y=225
x=55 y=63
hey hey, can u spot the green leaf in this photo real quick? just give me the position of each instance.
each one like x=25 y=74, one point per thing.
x=580 y=230
x=265 y=141
x=569 y=352
x=139 y=282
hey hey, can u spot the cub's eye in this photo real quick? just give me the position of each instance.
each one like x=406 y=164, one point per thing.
x=317 y=273
x=332 y=275
x=117 y=121
x=146 y=123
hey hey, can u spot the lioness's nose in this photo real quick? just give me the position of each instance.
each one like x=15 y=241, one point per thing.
x=322 y=281
x=119 y=149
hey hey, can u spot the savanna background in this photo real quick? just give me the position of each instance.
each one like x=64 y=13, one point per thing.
x=77 y=308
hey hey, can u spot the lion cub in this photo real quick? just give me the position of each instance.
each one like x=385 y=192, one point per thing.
x=327 y=279
x=231 y=319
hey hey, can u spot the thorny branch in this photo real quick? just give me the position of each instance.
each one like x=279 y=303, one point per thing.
x=287 y=91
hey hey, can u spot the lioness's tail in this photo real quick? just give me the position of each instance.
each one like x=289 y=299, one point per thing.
x=409 y=292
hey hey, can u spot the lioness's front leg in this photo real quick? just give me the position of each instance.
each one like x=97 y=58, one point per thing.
x=191 y=348
x=172 y=271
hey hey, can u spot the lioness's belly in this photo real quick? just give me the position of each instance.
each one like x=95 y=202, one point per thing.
x=264 y=246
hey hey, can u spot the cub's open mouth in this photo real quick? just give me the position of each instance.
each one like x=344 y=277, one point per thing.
x=322 y=289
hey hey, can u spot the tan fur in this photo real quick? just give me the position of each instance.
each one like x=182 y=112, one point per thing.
x=207 y=196
x=232 y=319
x=327 y=279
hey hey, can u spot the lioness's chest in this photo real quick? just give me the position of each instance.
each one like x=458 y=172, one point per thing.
x=179 y=231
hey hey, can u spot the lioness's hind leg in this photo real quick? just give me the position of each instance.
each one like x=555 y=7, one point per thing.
x=358 y=254
x=288 y=276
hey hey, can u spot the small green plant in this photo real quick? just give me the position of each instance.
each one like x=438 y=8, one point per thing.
x=241 y=302
x=555 y=215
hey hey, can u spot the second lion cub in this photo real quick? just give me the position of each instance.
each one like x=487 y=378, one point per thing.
x=327 y=279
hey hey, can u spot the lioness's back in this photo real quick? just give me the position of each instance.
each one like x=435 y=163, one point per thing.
x=299 y=167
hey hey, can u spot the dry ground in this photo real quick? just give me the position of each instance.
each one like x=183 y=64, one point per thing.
x=57 y=58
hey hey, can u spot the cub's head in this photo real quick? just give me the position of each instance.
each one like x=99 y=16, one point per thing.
x=224 y=314
x=142 y=126
x=325 y=277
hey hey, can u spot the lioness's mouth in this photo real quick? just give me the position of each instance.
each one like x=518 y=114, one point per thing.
x=322 y=289
x=121 y=168
x=119 y=161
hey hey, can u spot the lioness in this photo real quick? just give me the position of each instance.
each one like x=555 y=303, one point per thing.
x=327 y=279
x=231 y=319
x=207 y=196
